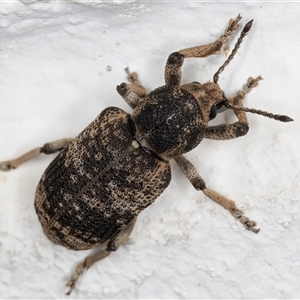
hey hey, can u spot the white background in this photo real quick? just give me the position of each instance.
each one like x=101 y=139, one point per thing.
x=59 y=65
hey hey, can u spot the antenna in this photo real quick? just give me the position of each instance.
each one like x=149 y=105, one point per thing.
x=281 y=118
x=244 y=32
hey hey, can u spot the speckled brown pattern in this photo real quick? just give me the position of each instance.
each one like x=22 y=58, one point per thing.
x=95 y=188
x=170 y=121
x=98 y=184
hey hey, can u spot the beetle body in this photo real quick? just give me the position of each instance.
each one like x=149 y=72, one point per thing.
x=93 y=191
x=115 y=168
x=96 y=186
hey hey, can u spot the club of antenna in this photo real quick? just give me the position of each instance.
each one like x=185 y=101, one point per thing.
x=244 y=32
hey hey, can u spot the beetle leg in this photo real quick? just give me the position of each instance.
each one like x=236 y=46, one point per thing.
x=135 y=85
x=134 y=92
x=239 y=128
x=48 y=148
x=112 y=245
x=175 y=60
x=131 y=98
x=193 y=176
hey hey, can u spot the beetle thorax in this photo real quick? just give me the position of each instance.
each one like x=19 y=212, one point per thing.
x=170 y=122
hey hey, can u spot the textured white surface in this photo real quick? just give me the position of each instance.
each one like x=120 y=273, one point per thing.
x=54 y=79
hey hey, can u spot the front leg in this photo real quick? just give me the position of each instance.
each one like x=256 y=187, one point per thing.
x=133 y=93
x=239 y=128
x=175 y=60
x=193 y=176
x=135 y=83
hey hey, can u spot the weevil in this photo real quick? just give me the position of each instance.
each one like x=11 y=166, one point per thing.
x=93 y=191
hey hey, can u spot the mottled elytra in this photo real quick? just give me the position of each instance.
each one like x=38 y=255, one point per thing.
x=93 y=191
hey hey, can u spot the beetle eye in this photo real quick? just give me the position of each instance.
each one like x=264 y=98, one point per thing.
x=220 y=104
x=213 y=112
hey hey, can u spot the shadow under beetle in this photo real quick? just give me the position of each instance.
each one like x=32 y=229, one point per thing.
x=93 y=191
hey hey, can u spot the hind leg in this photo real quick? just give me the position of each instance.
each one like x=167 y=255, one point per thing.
x=48 y=148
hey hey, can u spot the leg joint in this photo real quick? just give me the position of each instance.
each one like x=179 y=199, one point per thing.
x=175 y=58
x=112 y=246
x=241 y=129
x=48 y=149
x=198 y=183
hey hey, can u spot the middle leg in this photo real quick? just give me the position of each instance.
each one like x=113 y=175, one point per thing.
x=193 y=176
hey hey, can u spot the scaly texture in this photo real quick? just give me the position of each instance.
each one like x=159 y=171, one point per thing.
x=170 y=121
x=98 y=184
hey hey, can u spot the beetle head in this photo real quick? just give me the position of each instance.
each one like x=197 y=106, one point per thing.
x=209 y=96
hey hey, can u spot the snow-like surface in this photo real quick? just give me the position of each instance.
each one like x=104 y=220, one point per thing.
x=59 y=65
